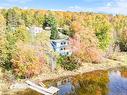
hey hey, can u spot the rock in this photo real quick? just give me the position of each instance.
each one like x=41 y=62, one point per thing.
x=19 y=86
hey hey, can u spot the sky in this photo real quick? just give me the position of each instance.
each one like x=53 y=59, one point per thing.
x=99 y=6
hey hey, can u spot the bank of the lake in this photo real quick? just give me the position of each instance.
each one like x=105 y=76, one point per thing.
x=86 y=67
x=115 y=62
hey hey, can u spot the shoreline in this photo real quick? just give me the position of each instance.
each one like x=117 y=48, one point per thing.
x=85 y=68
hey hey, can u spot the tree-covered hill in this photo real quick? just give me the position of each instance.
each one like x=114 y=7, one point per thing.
x=91 y=36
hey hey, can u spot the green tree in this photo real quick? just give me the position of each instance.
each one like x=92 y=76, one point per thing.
x=2 y=40
x=11 y=47
x=13 y=36
x=54 y=33
x=102 y=27
x=51 y=22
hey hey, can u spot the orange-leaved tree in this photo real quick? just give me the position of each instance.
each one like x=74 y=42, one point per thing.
x=85 y=44
x=25 y=61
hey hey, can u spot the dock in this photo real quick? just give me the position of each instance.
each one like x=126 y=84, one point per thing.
x=46 y=91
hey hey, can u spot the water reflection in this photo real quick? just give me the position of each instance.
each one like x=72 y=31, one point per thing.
x=94 y=83
x=117 y=84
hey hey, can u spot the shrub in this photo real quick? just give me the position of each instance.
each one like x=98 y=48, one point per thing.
x=68 y=62
x=90 y=54
x=93 y=55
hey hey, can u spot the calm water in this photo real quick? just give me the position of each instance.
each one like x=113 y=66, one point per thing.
x=112 y=82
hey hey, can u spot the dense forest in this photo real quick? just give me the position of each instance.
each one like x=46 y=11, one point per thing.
x=92 y=37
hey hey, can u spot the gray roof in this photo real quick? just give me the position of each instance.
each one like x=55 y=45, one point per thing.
x=59 y=40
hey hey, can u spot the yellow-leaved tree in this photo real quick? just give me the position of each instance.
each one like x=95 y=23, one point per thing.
x=2 y=40
x=85 y=44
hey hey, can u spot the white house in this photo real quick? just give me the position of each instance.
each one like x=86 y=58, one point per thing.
x=61 y=46
x=34 y=30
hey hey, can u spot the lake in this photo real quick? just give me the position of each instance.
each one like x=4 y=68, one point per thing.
x=111 y=82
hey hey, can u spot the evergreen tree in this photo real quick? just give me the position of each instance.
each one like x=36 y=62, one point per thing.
x=50 y=21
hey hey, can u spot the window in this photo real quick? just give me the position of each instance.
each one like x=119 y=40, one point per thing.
x=61 y=43
x=54 y=43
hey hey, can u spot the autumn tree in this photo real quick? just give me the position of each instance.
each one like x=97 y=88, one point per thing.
x=25 y=61
x=22 y=34
x=28 y=17
x=123 y=40
x=43 y=45
x=120 y=25
x=2 y=40
x=85 y=44
x=60 y=18
x=13 y=36
x=124 y=36
x=67 y=18
x=38 y=18
x=14 y=17
x=103 y=29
